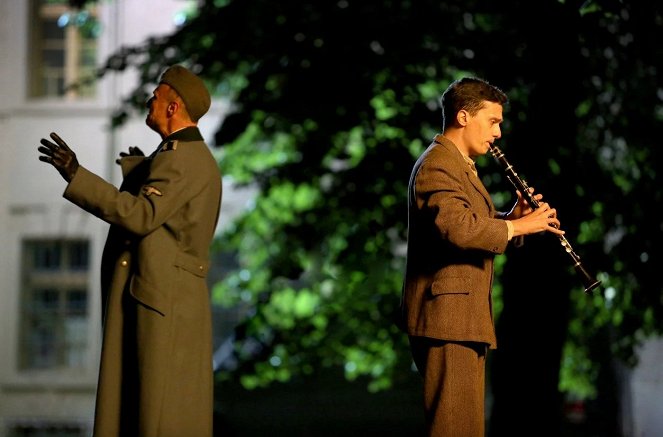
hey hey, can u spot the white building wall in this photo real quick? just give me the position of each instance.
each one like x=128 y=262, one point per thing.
x=642 y=407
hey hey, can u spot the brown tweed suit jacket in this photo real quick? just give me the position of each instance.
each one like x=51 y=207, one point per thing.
x=454 y=233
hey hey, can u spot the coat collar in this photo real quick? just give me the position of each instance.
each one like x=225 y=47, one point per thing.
x=462 y=163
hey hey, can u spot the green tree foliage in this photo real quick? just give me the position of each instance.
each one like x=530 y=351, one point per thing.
x=331 y=103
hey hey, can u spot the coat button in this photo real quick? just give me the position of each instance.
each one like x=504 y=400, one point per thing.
x=201 y=268
x=124 y=263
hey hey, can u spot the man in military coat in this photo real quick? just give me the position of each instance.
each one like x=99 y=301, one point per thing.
x=155 y=377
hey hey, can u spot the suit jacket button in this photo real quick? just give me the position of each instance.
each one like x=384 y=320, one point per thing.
x=124 y=263
x=201 y=268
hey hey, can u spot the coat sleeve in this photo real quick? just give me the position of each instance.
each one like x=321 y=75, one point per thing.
x=462 y=214
x=167 y=187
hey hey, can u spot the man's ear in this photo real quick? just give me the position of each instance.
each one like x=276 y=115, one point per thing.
x=172 y=108
x=462 y=117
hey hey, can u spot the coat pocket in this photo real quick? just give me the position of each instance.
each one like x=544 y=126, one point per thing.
x=451 y=285
x=192 y=264
x=148 y=294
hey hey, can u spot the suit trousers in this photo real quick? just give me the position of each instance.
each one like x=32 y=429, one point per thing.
x=454 y=385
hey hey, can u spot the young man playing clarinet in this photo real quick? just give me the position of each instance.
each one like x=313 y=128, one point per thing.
x=454 y=233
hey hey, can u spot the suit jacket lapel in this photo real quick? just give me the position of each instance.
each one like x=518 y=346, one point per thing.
x=474 y=180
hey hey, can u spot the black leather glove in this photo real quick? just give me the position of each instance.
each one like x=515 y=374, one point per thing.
x=59 y=155
x=133 y=151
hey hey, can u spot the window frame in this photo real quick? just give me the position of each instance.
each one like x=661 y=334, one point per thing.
x=62 y=281
x=72 y=46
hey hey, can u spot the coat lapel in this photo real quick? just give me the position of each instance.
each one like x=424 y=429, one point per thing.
x=474 y=180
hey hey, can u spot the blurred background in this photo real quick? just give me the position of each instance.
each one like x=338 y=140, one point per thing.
x=320 y=109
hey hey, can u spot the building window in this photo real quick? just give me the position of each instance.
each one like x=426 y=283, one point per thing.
x=47 y=429
x=54 y=304
x=64 y=50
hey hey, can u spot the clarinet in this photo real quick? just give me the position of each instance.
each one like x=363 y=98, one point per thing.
x=588 y=280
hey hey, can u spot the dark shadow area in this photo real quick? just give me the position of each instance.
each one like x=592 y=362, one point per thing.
x=326 y=405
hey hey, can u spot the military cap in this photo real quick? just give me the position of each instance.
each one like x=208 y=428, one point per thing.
x=190 y=88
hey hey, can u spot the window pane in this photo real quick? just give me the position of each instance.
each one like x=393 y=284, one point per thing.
x=75 y=337
x=42 y=341
x=63 y=49
x=52 y=32
x=54 y=304
x=88 y=57
x=78 y=256
x=45 y=301
x=47 y=256
x=76 y=302
x=46 y=429
x=53 y=62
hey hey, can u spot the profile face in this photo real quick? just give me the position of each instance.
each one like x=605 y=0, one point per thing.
x=157 y=115
x=483 y=128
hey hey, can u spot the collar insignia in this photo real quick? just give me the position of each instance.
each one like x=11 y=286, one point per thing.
x=169 y=145
x=148 y=190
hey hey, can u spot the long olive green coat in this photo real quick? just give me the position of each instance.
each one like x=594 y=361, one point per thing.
x=155 y=378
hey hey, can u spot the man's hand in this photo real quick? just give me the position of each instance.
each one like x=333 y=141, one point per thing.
x=59 y=155
x=522 y=206
x=543 y=218
x=133 y=151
